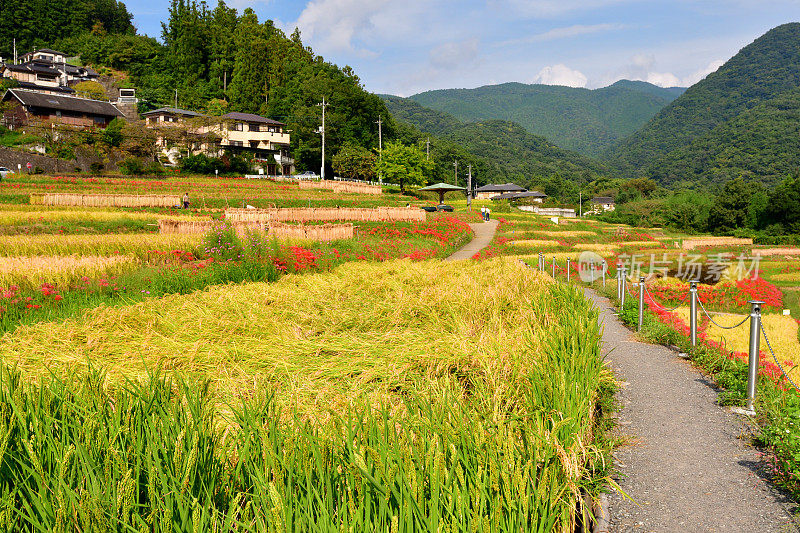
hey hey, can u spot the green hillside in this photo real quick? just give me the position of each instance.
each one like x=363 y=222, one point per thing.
x=583 y=120
x=499 y=151
x=737 y=120
x=760 y=144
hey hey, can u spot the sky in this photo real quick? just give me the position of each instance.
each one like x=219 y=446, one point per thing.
x=404 y=47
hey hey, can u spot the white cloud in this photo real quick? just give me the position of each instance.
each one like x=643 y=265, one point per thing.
x=549 y=8
x=698 y=75
x=560 y=74
x=454 y=54
x=663 y=79
x=643 y=67
x=564 y=33
x=335 y=24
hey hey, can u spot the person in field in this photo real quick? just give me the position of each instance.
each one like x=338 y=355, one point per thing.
x=186 y=201
x=488 y=212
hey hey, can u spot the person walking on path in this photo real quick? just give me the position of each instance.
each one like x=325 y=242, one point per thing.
x=488 y=213
x=186 y=201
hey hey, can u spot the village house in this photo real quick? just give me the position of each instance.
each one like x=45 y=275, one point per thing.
x=262 y=138
x=602 y=204
x=26 y=107
x=535 y=196
x=47 y=71
x=487 y=192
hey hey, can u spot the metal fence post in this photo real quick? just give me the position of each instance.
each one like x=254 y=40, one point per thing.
x=693 y=312
x=605 y=266
x=591 y=272
x=568 y=261
x=554 y=267
x=753 y=356
x=641 y=303
x=619 y=282
x=623 y=288
x=541 y=262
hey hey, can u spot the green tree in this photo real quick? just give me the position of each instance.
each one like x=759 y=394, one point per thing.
x=784 y=204
x=354 y=162
x=404 y=165
x=90 y=89
x=730 y=208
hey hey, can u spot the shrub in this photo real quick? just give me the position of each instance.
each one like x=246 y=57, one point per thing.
x=96 y=167
x=222 y=243
x=132 y=165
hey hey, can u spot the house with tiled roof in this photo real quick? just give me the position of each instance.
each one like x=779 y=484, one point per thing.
x=24 y=107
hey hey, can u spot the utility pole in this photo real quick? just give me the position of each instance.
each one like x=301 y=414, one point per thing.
x=428 y=149
x=380 y=145
x=455 y=182
x=469 y=186
x=225 y=82
x=176 y=98
x=324 y=104
x=15 y=50
x=580 y=204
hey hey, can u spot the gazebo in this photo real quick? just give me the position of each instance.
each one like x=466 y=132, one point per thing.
x=442 y=188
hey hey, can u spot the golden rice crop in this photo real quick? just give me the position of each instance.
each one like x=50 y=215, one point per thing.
x=781 y=331
x=122 y=244
x=82 y=215
x=565 y=233
x=321 y=340
x=61 y=270
x=533 y=242
x=638 y=243
x=561 y=257
x=596 y=246
x=786 y=276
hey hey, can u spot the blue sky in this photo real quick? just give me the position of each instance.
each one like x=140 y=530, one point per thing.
x=408 y=46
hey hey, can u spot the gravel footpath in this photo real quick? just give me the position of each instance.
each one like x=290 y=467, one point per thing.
x=484 y=233
x=687 y=464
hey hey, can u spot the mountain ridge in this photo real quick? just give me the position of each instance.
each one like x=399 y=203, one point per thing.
x=705 y=118
x=588 y=121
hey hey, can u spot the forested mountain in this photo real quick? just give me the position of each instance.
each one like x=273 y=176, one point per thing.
x=760 y=144
x=500 y=151
x=583 y=120
x=739 y=121
x=219 y=60
x=37 y=23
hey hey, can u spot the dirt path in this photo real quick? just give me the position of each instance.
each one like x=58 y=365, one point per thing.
x=686 y=466
x=484 y=233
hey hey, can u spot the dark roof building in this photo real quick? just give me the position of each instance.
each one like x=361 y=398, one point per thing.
x=517 y=195
x=172 y=111
x=249 y=117
x=603 y=200
x=501 y=188
x=27 y=106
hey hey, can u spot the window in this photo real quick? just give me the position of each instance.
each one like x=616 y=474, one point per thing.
x=237 y=144
x=254 y=127
x=236 y=126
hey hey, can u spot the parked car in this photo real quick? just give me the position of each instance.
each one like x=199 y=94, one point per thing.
x=444 y=207
x=4 y=172
x=307 y=175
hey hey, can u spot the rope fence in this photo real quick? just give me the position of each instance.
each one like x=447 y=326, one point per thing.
x=756 y=326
